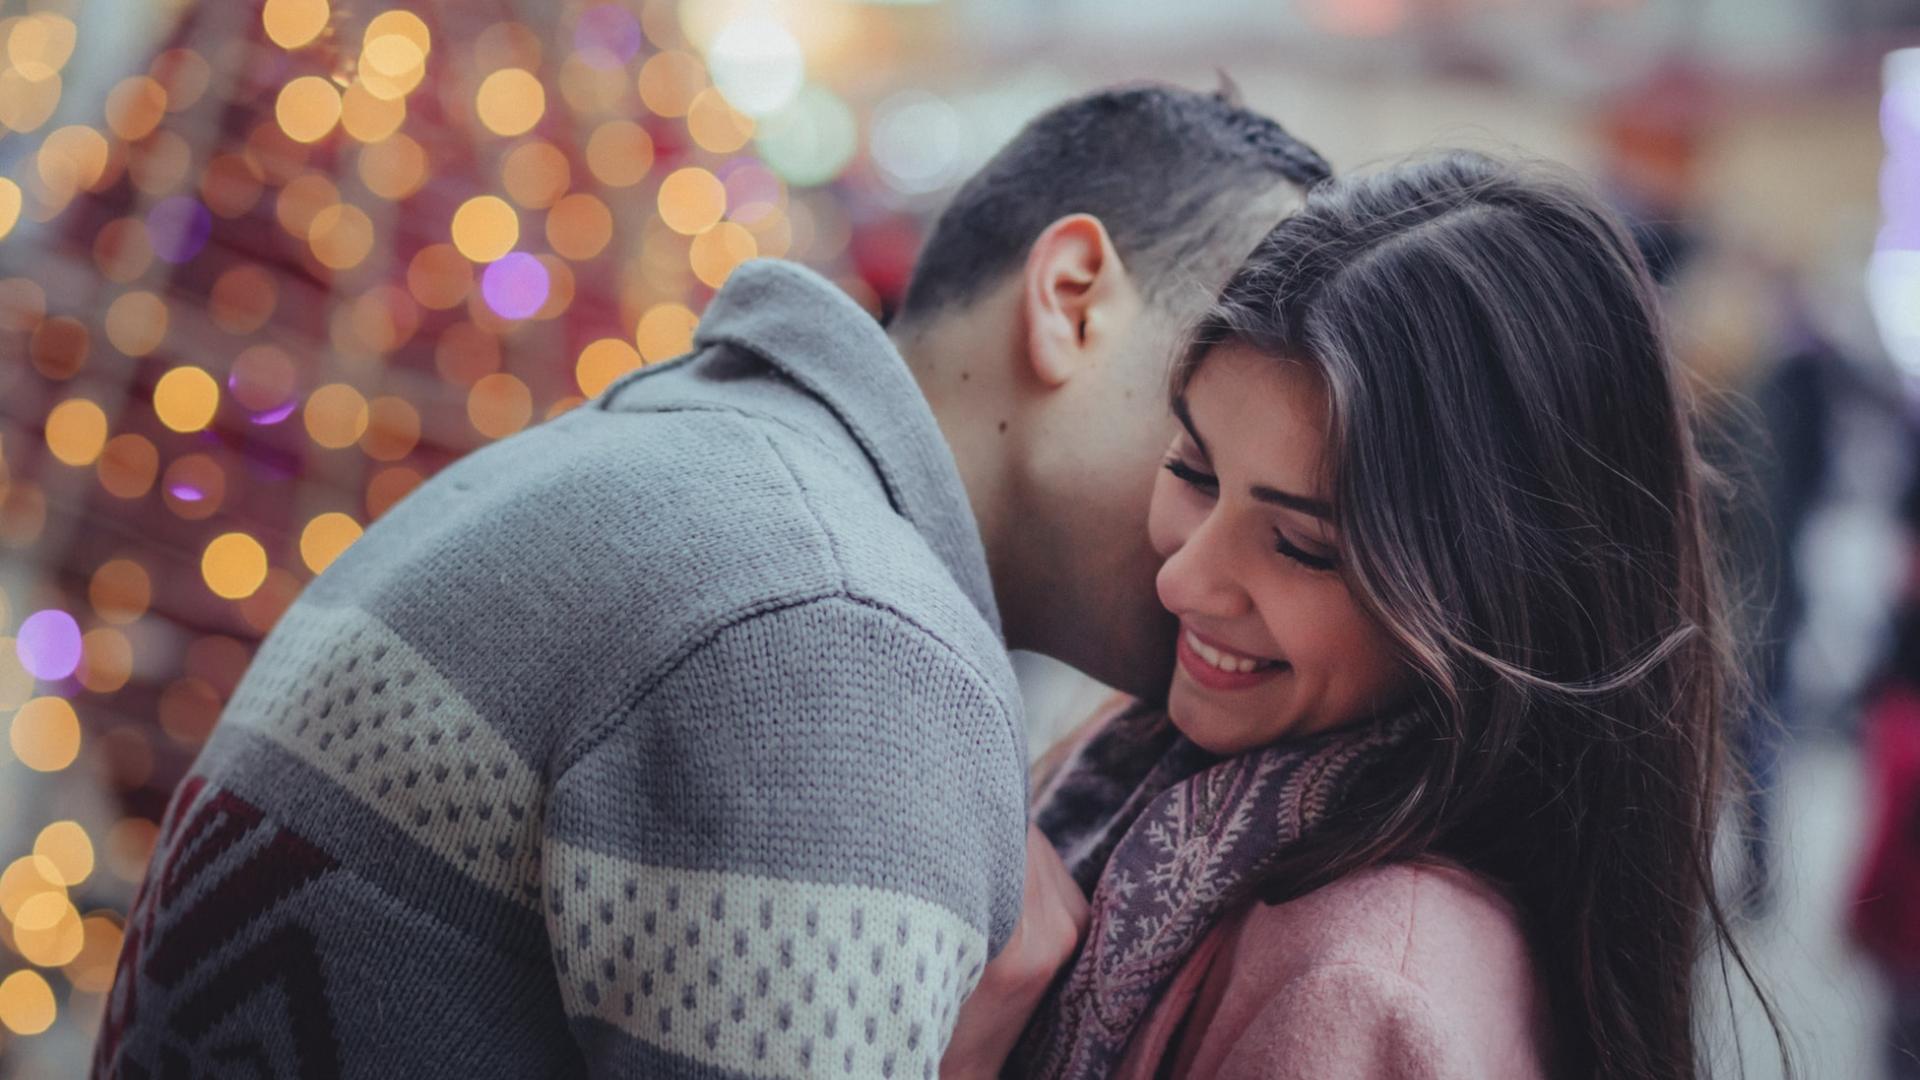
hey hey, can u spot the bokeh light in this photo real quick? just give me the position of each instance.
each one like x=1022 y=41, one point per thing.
x=536 y=174
x=916 y=141
x=194 y=486
x=515 y=286
x=602 y=362
x=45 y=734
x=716 y=125
x=325 y=537
x=26 y=1003
x=499 y=405
x=65 y=845
x=341 y=235
x=579 y=226
x=48 y=644
x=368 y=117
x=393 y=168
x=811 y=140
x=716 y=252
x=692 y=200
x=607 y=36
x=233 y=565
x=9 y=206
x=128 y=464
x=393 y=429
x=510 y=101
x=619 y=153
x=308 y=108
x=485 y=228
x=186 y=398
x=135 y=106
x=665 y=331
x=76 y=431
x=336 y=416
x=669 y=81
x=178 y=227
x=24 y=878
x=757 y=64
x=136 y=322
x=242 y=300
x=439 y=277
x=120 y=591
x=106 y=660
x=293 y=23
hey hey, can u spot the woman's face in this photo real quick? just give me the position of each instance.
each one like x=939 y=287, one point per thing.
x=1273 y=644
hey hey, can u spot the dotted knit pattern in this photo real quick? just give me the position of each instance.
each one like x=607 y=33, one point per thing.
x=345 y=694
x=760 y=976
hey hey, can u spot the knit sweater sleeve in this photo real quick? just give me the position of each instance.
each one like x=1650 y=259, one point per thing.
x=790 y=857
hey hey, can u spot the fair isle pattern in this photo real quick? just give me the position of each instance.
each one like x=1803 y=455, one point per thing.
x=760 y=976
x=342 y=692
x=1198 y=848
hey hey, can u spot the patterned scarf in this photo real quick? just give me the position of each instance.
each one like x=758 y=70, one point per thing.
x=1168 y=839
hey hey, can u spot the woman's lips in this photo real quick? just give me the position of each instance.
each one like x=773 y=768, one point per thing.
x=1202 y=660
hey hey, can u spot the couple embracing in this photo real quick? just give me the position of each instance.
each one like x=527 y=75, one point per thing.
x=677 y=737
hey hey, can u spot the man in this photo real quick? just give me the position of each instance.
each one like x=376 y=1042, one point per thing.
x=677 y=737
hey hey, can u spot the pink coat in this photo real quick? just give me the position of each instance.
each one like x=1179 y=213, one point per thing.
x=1415 y=970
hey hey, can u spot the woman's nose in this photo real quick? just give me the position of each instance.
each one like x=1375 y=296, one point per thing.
x=1198 y=578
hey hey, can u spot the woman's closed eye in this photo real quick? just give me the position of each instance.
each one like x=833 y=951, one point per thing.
x=1208 y=484
x=1192 y=477
x=1305 y=558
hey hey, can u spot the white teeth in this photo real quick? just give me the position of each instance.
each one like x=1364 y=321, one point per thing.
x=1215 y=658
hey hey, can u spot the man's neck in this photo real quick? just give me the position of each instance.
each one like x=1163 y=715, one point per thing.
x=964 y=372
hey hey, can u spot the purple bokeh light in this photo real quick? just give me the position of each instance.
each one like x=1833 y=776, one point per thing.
x=753 y=192
x=515 y=286
x=49 y=644
x=186 y=492
x=607 y=36
x=178 y=228
x=273 y=416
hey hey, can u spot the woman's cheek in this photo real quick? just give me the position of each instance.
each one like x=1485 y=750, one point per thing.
x=1165 y=531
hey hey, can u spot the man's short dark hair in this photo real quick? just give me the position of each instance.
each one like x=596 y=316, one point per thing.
x=1161 y=167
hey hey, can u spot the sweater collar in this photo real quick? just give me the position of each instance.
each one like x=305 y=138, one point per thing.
x=815 y=334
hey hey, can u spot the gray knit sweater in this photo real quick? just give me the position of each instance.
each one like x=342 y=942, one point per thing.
x=673 y=738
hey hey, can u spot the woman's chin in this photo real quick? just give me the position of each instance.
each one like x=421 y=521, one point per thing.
x=1206 y=725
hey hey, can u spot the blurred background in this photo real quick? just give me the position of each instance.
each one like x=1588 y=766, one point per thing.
x=264 y=267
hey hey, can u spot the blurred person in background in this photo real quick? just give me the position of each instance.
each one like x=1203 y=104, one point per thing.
x=1885 y=915
x=1434 y=790
x=768 y=817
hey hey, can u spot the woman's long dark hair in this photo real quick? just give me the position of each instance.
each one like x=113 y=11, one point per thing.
x=1521 y=504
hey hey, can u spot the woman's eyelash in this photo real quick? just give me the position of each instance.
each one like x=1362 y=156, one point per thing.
x=1191 y=475
x=1311 y=562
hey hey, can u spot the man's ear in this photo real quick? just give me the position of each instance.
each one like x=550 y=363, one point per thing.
x=1076 y=295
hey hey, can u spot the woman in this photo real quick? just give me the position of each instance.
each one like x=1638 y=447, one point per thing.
x=1434 y=788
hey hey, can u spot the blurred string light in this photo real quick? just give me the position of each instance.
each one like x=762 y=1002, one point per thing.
x=1893 y=272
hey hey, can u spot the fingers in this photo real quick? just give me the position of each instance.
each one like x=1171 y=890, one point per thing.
x=1050 y=887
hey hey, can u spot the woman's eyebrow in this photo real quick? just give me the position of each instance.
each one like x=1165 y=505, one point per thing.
x=1262 y=492
x=1292 y=502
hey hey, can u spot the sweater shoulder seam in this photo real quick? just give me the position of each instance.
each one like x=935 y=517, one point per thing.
x=597 y=733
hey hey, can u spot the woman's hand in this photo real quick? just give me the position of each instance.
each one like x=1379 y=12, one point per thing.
x=1053 y=916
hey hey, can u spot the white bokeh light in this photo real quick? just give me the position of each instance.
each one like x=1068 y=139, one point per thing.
x=916 y=141
x=811 y=140
x=757 y=65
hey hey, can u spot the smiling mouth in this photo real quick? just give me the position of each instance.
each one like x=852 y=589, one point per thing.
x=1224 y=660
